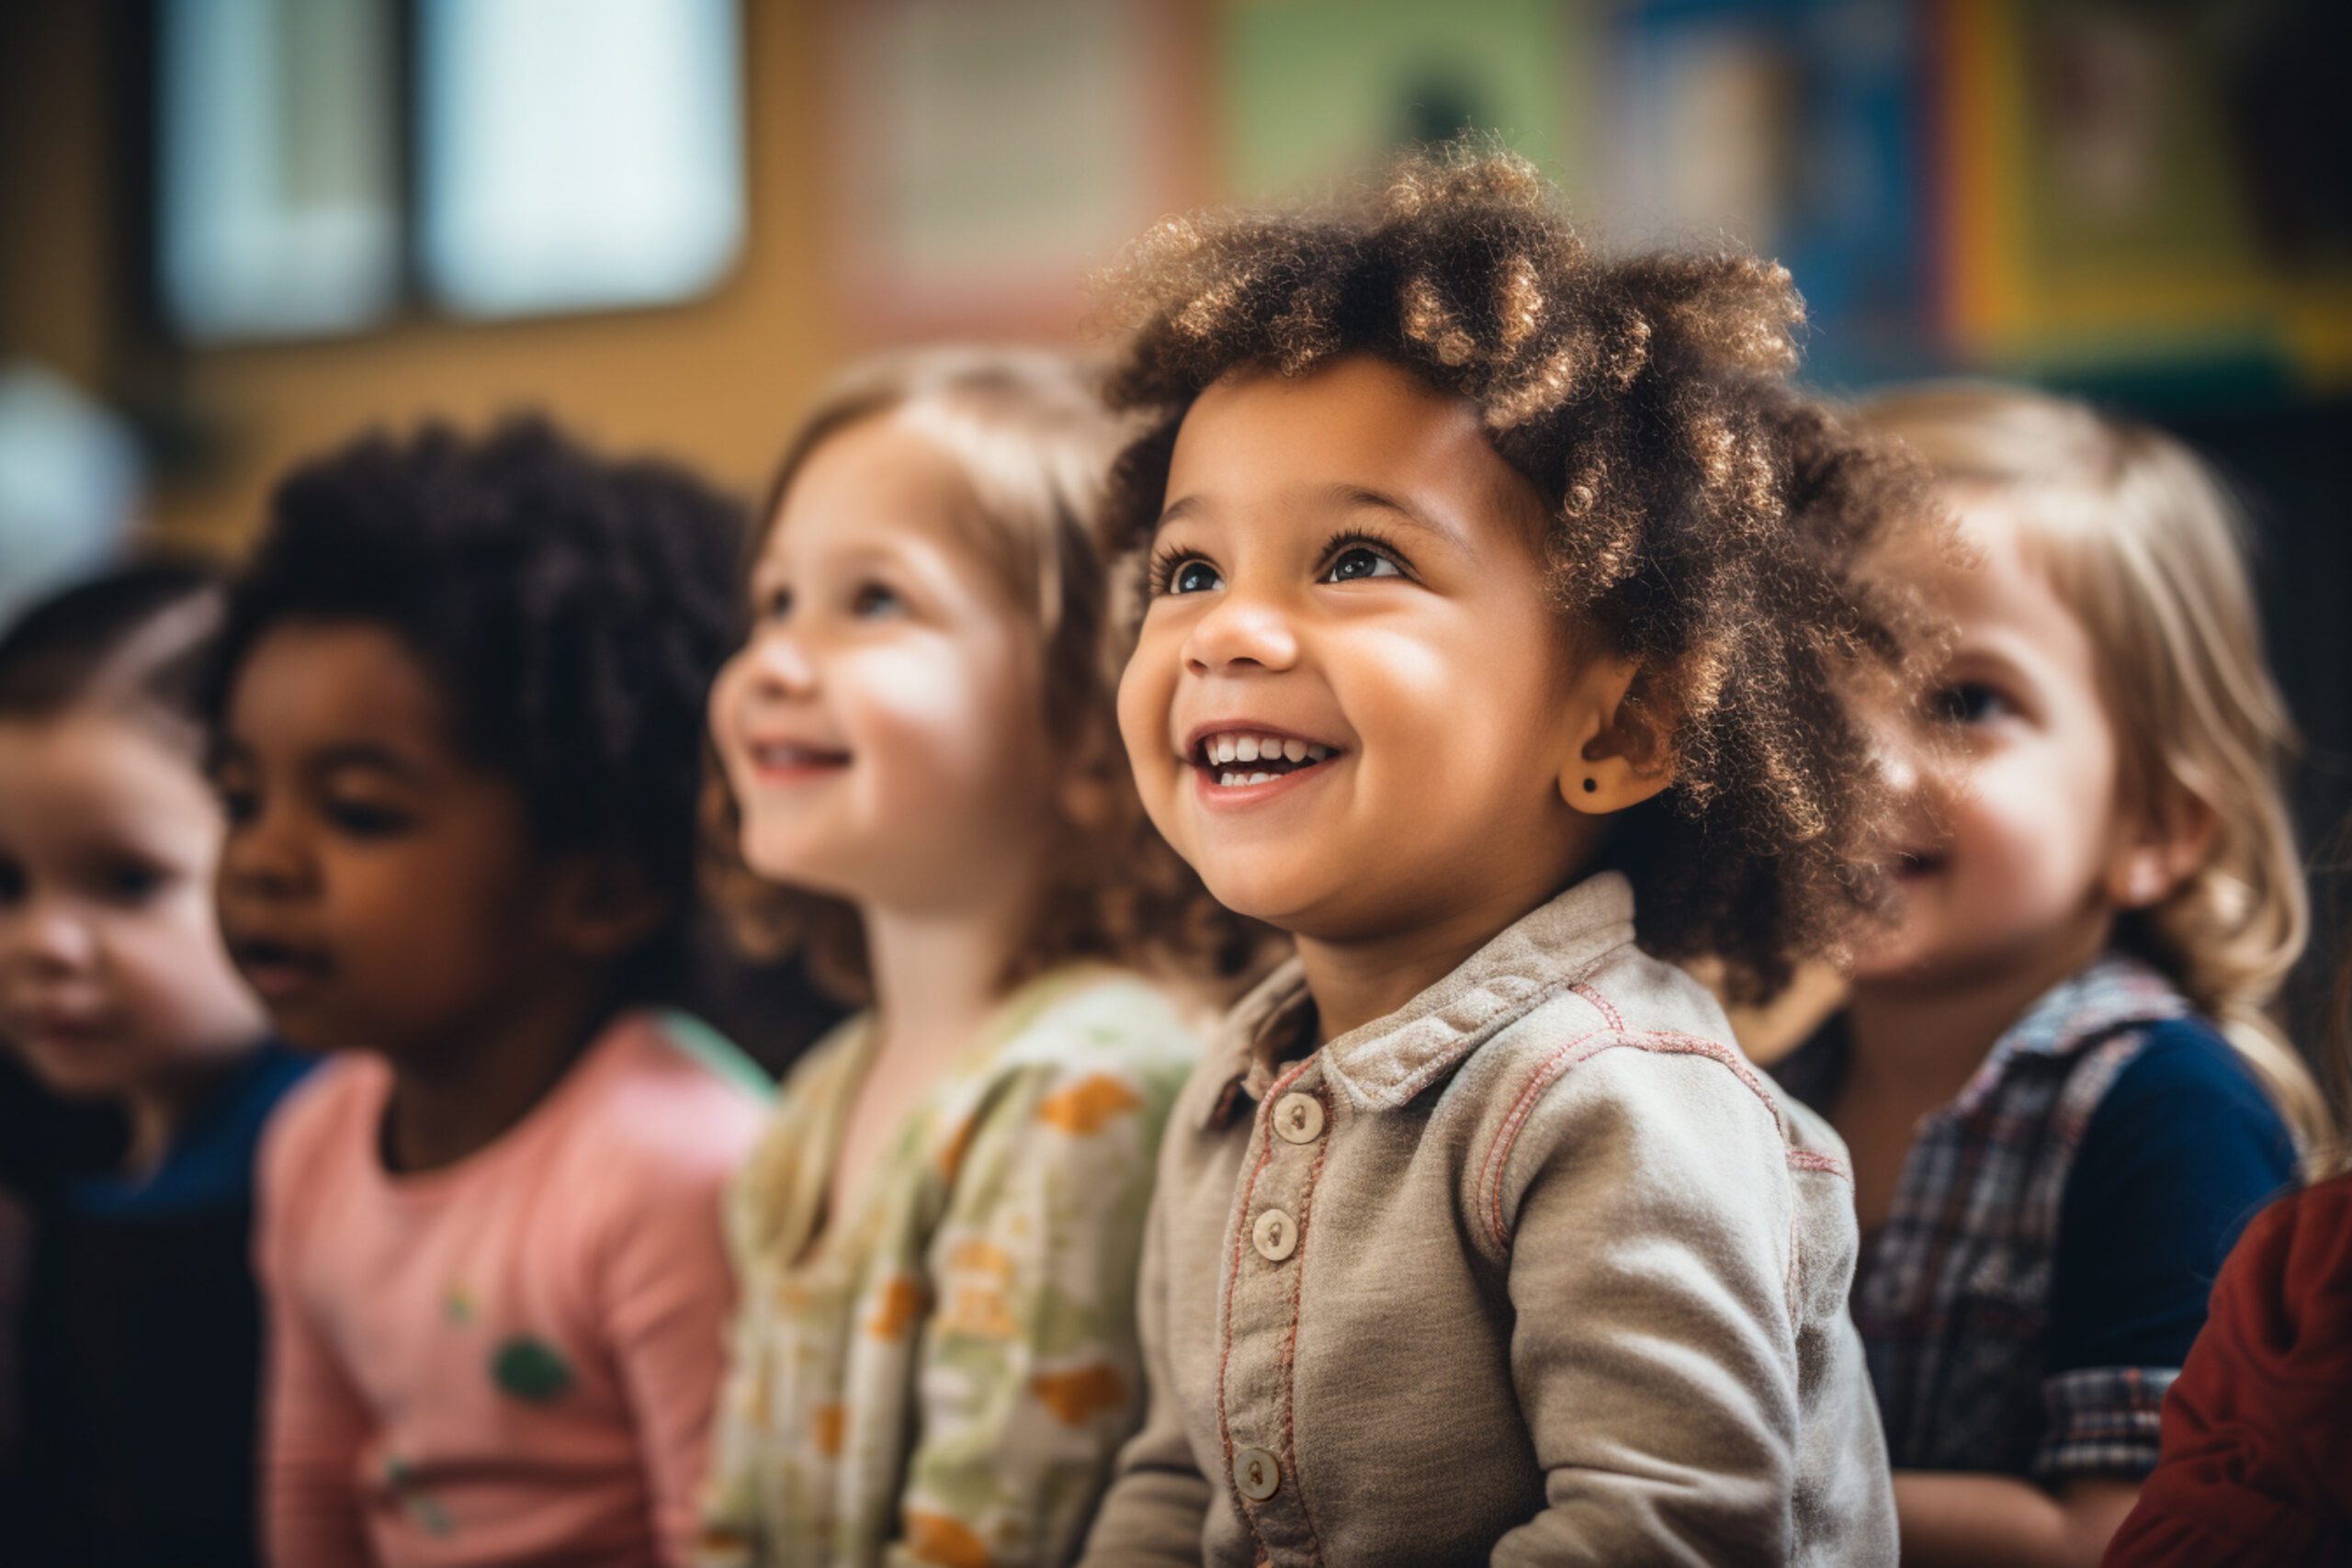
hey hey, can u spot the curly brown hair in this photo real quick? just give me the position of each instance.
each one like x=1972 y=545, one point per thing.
x=1033 y=437
x=1710 y=523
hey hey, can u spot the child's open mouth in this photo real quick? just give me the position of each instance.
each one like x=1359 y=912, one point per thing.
x=785 y=762
x=1248 y=759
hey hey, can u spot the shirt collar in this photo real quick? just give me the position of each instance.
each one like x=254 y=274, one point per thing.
x=2114 y=992
x=1383 y=1063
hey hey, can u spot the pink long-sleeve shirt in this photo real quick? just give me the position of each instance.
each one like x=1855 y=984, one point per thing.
x=511 y=1360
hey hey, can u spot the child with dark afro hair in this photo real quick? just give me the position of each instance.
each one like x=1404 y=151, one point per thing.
x=1493 y=586
x=456 y=733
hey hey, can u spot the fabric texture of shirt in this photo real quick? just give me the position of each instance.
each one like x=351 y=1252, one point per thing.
x=145 y=1332
x=512 y=1359
x=943 y=1375
x=2056 y=1227
x=1537 y=1269
x=2257 y=1429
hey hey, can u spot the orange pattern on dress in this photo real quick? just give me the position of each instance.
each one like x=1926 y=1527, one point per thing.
x=1086 y=1106
x=1080 y=1394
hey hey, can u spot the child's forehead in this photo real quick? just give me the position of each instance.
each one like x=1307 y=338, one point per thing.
x=315 y=684
x=877 y=483
x=1358 y=425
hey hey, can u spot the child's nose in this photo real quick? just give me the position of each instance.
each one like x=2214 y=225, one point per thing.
x=781 y=665
x=1238 y=631
x=49 y=933
x=261 y=861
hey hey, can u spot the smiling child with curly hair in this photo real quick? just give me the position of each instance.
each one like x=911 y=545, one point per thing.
x=1495 y=588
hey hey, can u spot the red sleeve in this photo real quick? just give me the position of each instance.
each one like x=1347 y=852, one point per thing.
x=2257 y=1432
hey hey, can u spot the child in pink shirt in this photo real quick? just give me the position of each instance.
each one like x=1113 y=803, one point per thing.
x=457 y=737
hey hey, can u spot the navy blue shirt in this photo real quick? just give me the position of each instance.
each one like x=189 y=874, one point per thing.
x=143 y=1350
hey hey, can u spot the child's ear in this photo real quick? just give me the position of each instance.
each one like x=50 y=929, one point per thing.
x=605 y=907
x=1618 y=755
x=2155 y=857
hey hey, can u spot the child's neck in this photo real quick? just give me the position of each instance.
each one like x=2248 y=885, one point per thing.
x=1362 y=979
x=456 y=1099
x=938 y=972
x=1932 y=1034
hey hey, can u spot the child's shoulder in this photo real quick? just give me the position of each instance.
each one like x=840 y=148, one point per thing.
x=1632 y=1039
x=669 y=1099
x=1096 y=1019
x=323 y=1113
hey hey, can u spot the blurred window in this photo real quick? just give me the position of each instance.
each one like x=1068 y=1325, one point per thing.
x=576 y=154
x=569 y=156
x=279 y=208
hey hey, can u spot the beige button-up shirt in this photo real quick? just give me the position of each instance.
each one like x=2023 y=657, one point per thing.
x=1537 y=1270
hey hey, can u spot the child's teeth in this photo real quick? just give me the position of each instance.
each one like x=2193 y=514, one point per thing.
x=1260 y=778
x=1295 y=749
x=1246 y=748
x=1317 y=753
x=1225 y=748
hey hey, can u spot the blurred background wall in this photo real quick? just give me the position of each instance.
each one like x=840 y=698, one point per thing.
x=232 y=232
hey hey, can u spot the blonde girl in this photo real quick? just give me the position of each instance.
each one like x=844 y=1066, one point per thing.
x=920 y=792
x=2058 y=1074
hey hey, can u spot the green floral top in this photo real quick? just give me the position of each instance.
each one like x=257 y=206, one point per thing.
x=944 y=1375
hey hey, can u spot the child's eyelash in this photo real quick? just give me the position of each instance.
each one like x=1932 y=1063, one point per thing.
x=1360 y=538
x=1161 y=572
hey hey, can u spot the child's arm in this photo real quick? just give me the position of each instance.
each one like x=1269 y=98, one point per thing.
x=1157 y=1508
x=1648 y=1211
x=314 y=1422
x=1967 y=1521
x=669 y=1293
x=1027 y=1377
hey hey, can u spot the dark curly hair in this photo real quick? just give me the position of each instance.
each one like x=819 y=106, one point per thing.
x=1706 y=520
x=571 y=611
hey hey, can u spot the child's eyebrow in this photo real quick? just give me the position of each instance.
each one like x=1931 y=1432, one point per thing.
x=1353 y=497
x=368 y=757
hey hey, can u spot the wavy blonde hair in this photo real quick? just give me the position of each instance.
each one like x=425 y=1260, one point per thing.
x=1032 y=437
x=2148 y=549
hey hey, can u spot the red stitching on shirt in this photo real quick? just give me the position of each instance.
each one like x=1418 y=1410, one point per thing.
x=1601 y=1004
x=1290 y=1340
x=1233 y=1278
x=1805 y=1159
x=1555 y=1065
x=1499 y=1156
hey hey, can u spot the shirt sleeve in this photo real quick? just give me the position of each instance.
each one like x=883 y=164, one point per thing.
x=2258 y=1431
x=2182 y=1150
x=1157 y=1509
x=1028 y=1376
x=314 y=1423
x=1654 y=1350
x=670 y=1295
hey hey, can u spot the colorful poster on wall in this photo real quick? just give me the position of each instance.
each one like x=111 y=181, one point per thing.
x=1317 y=90
x=2149 y=184
x=986 y=156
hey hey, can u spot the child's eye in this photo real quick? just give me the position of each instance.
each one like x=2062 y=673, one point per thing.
x=238 y=806
x=873 y=601
x=131 y=882
x=776 y=604
x=12 y=882
x=1970 y=703
x=363 y=819
x=1175 y=573
x=1358 y=562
